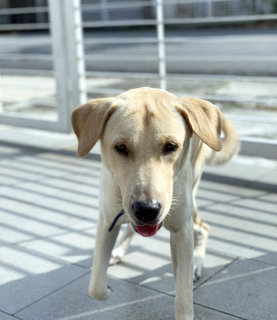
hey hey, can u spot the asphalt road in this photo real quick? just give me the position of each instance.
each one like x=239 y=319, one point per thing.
x=228 y=51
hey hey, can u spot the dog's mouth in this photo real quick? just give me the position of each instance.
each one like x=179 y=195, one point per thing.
x=147 y=230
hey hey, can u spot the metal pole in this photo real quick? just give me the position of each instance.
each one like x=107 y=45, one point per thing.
x=161 y=43
x=104 y=10
x=1 y=101
x=209 y=8
x=68 y=52
x=78 y=57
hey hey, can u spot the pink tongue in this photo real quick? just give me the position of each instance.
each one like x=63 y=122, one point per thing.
x=147 y=230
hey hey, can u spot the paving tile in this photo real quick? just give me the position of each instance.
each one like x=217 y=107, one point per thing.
x=71 y=163
x=68 y=188
x=269 y=198
x=127 y=301
x=242 y=168
x=27 y=275
x=214 y=195
x=258 y=206
x=49 y=204
x=9 y=176
x=9 y=150
x=41 y=208
x=241 y=229
x=270 y=177
x=5 y=316
x=148 y=263
x=41 y=166
x=73 y=302
x=144 y=255
x=24 y=171
x=228 y=190
x=72 y=247
x=202 y=313
x=245 y=289
x=23 y=218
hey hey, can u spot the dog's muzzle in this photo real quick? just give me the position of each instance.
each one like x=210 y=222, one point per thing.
x=146 y=217
x=147 y=230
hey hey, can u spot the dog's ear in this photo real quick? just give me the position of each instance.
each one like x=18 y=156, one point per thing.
x=204 y=119
x=88 y=122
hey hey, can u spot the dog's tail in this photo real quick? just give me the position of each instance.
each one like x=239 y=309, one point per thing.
x=230 y=145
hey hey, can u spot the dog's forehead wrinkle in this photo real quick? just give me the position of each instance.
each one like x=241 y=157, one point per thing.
x=146 y=120
x=131 y=128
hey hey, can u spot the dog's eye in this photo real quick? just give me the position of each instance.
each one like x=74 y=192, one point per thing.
x=169 y=147
x=121 y=149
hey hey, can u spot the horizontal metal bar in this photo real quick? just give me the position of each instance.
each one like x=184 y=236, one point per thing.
x=169 y=40
x=26 y=56
x=258 y=147
x=119 y=23
x=23 y=86
x=210 y=39
x=24 y=26
x=24 y=10
x=146 y=22
x=251 y=119
x=52 y=103
x=208 y=20
x=107 y=91
x=195 y=1
x=139 y=4
x=29 y=121
x=220 y=77
x=117 y=5
x=26 y=72
x=216 y=58
x=171 y=76
x=120 y=40
x=123 y=75
x=108 y=57
x=236 y=99
x=184 y=2
x=224 y=19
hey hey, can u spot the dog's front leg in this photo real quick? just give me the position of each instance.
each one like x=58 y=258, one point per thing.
x=98 y=286
x=181 y=243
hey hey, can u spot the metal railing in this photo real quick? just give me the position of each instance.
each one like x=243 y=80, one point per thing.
x=66 y=61
x=68 y=65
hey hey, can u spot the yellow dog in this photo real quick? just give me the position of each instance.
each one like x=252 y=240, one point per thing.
x=154 y=146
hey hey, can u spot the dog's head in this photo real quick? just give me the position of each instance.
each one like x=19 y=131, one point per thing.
x=145 y=135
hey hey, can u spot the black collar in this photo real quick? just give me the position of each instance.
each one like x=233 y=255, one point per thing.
x=115 y=220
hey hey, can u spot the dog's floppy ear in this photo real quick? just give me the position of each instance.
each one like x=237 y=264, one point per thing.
x=204 y=119
x=88 y=122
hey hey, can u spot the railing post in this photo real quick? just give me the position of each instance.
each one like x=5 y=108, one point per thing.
x=1 y=98
x=68 y=53
x=209 y=8
x=161 y=43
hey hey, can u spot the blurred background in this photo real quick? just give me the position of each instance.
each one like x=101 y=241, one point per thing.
x=56 y=54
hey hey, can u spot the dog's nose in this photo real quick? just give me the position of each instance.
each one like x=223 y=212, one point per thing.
x=146 y=211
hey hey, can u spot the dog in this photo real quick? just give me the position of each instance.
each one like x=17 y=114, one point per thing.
x=153 y=147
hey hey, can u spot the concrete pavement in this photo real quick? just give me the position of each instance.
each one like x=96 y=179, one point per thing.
x=48 y=216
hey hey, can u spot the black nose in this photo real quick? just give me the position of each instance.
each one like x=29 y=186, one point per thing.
x=146 y=211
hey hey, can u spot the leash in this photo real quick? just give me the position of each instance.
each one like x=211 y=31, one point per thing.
x=115 y=220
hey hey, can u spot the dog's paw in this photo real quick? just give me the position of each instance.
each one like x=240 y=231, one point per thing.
x=197 y=268
x=100 y=295
x=116 y=257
